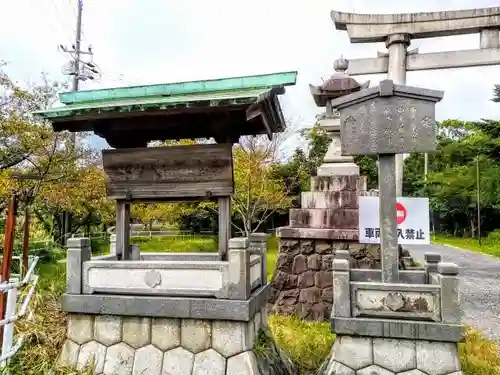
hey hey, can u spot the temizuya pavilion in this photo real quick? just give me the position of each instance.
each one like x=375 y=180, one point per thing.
x=130 y=117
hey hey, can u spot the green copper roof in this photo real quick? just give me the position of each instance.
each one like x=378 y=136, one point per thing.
x=181 y=88
x=226 y=91
x=224 y=109
x=156 y=102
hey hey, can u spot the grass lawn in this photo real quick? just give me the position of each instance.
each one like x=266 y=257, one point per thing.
x=487 y=246
x=307 y=343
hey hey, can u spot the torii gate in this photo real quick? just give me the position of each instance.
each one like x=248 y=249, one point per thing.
x=397 y=31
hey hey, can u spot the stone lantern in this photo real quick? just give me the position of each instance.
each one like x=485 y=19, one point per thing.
x=339 y=84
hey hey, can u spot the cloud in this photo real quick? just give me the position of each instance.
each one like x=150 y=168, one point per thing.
x=152 y=41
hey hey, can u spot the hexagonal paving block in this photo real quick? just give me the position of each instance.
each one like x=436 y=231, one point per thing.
x=108 y=329
x=178 y=361
x=137 y=331
x=195 y=334
x=148 y=360
x=209 y=362
x=412 y=372
x=354 y=352
x=80 y=328
x=337 y=368
x=243 y=364
x=437 y=358
x=69 y=354
x=374 y=370
x=119 y=360
x=166 y=333
x=91 y=353
x=230 y=338
x=394 y=354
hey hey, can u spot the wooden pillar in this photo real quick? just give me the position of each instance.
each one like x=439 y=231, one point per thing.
x=224 y=226
x=8 y=244
x=122 y=230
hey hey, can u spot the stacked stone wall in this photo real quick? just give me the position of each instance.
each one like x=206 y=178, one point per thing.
x=302 y=282
x=370 y=356
x=120 y=345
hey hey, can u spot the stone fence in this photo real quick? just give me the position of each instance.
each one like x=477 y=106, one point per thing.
x=169 y=274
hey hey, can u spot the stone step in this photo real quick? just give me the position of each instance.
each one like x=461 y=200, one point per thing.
x=317 y=234
x=329 y=199
x=343 y=218
x=338 y=183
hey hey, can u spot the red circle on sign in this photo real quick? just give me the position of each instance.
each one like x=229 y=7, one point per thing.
x=400 y=213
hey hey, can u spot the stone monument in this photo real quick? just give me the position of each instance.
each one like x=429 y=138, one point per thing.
x=171 y=313
x=398 y=30
x=326 y=221
x=393 y=322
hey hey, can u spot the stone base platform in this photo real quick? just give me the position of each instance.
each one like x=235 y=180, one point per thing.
x=352 y=355
x=302 y=283
x=125 y=345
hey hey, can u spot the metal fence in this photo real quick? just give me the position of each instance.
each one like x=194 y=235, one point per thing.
x=16 y=308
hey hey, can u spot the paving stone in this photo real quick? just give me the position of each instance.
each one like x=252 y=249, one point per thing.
x=437 y=358
x=243 y=364
x=374 y=370
x=337 y=368
x=108 y=329
x=178 y=361
x=209 y=362
x=80 y=328
x=166 y=333
x=137 y=331
x=148 y=360
x=119 y=360
x=230 y=338
x=457 y=373
x=354 y=352
x=69 y=354
x=412 y=372
x=196 y=335
x=91 y=353
x=395 y=355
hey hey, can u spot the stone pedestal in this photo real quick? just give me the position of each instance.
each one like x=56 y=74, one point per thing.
x=334 y=163
x=408 y=328
x=353 y=355
x=175 y=314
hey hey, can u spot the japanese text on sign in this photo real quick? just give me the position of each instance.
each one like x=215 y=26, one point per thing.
x=413 y=220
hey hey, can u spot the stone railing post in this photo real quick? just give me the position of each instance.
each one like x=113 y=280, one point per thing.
x=112 y=244
x=450 y=293
x=79 y=251
x=258 y=241
x=239 y=268
x=431 y=265
x=135 y=252
x=341 y=288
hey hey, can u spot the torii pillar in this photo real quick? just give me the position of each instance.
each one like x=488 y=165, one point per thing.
x=397 y=31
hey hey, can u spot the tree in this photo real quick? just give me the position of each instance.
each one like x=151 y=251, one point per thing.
x=259 y=192
x=496 y=94
x=452 y=177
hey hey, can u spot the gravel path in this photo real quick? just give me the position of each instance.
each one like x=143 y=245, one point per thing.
x=480 y=288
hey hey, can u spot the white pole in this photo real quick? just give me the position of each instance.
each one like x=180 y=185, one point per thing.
x=8 y=331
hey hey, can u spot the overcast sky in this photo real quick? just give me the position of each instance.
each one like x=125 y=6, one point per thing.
x=157 y=41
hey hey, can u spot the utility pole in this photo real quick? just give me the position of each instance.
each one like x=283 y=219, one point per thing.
x=478 y=206
x=81 y=71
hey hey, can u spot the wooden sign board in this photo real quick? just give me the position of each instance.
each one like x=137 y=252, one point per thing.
x=169 y=173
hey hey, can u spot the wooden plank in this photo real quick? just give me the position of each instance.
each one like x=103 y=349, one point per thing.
x=224 y=226
x=177 y=172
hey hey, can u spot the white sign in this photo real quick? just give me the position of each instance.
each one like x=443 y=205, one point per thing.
x=412 y=217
